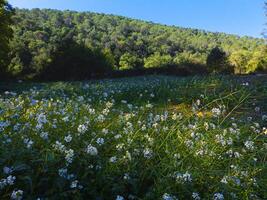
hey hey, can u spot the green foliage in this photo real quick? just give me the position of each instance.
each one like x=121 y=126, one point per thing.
x=157 y=60
x=246 y=61
x=189 y=58
x=128 y=43
x=128 y=61
x=258 y=61
x=181 y=58
x=15 y=66
x=239 y=60
x=6 y=12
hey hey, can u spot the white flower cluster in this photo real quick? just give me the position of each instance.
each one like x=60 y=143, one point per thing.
x=17 y=195
x=82 y=128
x=216 y=112
x=167 y=196
x=69 y=155
x=218 y=196
x=91 y=150
x=249 y=145
x=7 y=181
x=195 y=196
x=41 y=120
x=183 y=178
x=148 y=153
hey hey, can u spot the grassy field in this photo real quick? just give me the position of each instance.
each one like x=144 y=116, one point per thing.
x=151 y=137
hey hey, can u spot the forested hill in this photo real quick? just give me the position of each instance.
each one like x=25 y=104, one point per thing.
x=41 y=36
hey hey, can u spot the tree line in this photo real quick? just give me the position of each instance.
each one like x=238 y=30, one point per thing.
x=52 y=44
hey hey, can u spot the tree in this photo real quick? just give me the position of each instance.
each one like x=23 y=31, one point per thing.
x=217 y=61
x=185 y=58
x=6 y=12
x=182 y=58
x=258 y=62
x=157 y=60
x=239 y=60
x=129 y=61
x=73 y=61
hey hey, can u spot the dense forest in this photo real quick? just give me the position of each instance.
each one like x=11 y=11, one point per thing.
x=52 y=44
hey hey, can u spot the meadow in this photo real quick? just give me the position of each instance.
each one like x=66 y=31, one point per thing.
x=151 y=137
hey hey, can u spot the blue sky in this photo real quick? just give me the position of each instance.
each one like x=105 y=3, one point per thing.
x=241 y=17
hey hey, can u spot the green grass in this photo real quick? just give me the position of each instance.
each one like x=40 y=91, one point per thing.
x=153 y=137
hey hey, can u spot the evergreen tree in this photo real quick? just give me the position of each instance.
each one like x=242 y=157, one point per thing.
x=72 y=61
x=217 y=61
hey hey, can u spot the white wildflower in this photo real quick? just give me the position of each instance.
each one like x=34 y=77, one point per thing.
x=113 y=159
x=91 y=150
x=44 y=135
x=10 y=180
x=249 y=145
x=28 y=143
x=74 y=184
x=82 y=128
x=218 y=196
x=184 y=178
x=7 y=170
x=41 y=119
x=63 y=172
x=126 y=176
x=69 y=155
x=119 y=197
x=17 y=195
x=68 y=138
x=100 y=141
x=195 y=196
x=216 y=112
x=59 y=146
x=148 y=153
x=167 y=196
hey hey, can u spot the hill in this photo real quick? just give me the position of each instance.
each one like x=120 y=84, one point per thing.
x=41 y=38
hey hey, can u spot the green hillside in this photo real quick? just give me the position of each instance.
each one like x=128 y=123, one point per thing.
x=42 y=36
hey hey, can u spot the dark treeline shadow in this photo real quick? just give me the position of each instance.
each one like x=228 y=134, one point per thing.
x=186 y=69
x=72 y=61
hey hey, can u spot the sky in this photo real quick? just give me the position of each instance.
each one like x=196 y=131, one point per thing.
x=240 y=17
